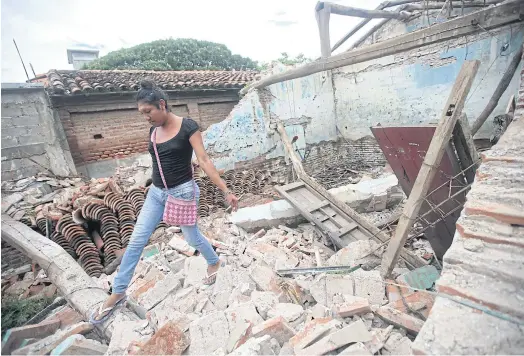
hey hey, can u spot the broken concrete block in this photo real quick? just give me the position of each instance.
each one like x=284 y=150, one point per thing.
x=422 y=278
x=352 y=306
x=168 y=311
x=204 y=305
x=46 y=345
x=79 y=345
x=272 y=214
x=358 y=349
x=320 y=311
x=289 y=311
x=369 y=285
x=313 y=331
x=356 y=253
x=179 y=244
x=208 y=334
x=223 y=287
x=140 y=285
x=240 y=333
x=14 y=336
x=258 y=346
x=378 y=339
x=286 y=350
x=126 y=332
x=355 y=332
x=195 y=270
x=397 y=345
x=265 y=279
x=276 y=328
x=325 y=287
x=245 y=260
x=160 y=291
x=168 y=340
x=401 y=320
x=241 y=314
x=272 y=256
x=177 y=264
x=264 y=301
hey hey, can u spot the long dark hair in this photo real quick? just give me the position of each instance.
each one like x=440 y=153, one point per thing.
x=151 y=94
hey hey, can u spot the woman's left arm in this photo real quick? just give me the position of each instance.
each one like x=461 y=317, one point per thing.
x=205 y=162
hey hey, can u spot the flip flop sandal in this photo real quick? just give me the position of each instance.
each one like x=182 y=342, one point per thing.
x=212 y=278
x=107 y=311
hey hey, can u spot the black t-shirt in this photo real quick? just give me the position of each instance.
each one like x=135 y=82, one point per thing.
x=175 y=156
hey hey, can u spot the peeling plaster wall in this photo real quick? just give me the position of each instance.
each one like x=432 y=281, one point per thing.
x=305 y=106
x=33 y=139
x=412 y=87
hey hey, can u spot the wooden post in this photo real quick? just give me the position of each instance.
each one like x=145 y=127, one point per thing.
x=368 y=14
x=441 y=137
x=64 y=272
x=322 y=15
x=295 y=160
x=501 y=88
x=506 y=13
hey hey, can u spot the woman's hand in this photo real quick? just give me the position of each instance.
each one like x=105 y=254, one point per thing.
x=232 y=200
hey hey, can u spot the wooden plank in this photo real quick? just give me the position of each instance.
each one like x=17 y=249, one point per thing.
x=63 y=271
x=348 y=228
x=322 y=14
x=322 y=204
x=294 y=185
x=365 y=13
x=503 y=14
x=297 y=164
x=449 y=118
x=335 y=239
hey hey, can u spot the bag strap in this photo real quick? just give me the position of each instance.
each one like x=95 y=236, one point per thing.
x=162 y=173
x=158 y=159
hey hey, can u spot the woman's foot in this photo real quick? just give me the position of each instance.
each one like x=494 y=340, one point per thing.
x=108 y=307
x=212 y=271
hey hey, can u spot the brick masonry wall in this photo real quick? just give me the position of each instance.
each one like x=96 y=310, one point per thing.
x=214 y=112
x=31 y=141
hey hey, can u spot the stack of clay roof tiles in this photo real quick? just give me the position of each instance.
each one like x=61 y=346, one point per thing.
x=74 y=82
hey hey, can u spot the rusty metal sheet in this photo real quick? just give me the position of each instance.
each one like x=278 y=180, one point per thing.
x=405 y=148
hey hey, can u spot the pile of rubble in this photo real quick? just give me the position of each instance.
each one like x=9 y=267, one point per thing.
x=253 y=308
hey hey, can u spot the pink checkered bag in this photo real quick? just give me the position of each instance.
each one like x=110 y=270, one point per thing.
x=179 y=212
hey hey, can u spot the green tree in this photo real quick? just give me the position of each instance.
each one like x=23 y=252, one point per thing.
x=286 y=60
x=174 y=54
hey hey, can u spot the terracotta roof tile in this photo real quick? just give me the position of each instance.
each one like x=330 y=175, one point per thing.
x=73 y=82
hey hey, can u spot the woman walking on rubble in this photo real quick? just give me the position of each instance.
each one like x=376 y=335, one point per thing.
x=173 y=140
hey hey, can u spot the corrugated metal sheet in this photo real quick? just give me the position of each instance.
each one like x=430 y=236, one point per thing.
x=405 y=149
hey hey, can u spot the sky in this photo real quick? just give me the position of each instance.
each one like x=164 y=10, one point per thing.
x=259 y=29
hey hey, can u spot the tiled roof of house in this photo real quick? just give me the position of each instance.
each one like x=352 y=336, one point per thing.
x=73 y=82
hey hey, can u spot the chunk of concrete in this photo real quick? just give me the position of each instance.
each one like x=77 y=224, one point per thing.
x=265 y=279
x=79 y=345
x=125 y=333
x=319 y=311
x=179 y=244
x=240 y=333
x=357 y=349
x=312 y=332
x=286 y=350
x=352 y=306
x=371 y=194
x=264 y=301
x=355 y=332
x=356 y=253
x=273 y=256
x=195 y=270
x=397 y=345
x=208 y=334
x=276 y=328
x=168 y=340
x=258 y=346
x=175 y=307
x=325 y=287
x=160 y=291
x=289 y=311
x=369 y=285
x=378 y=339
x=273 y=214
x=241 y=314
